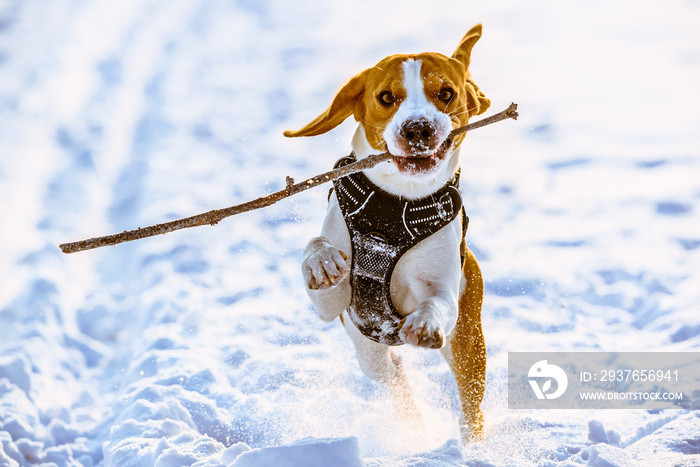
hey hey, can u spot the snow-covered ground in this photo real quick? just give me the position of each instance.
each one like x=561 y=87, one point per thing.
x=201 y=348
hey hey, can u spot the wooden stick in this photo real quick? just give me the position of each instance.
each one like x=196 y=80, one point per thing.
x=215 y=216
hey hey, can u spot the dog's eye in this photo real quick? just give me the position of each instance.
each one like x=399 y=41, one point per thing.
x=446 y=94
x=386 y=98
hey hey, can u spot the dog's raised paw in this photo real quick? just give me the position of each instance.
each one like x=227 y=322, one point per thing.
x=324 y=266
x=422 y=330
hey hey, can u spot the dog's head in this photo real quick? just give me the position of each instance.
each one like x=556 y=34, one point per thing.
x=408 y=105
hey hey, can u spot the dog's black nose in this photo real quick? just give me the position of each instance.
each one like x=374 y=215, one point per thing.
x=418 y=132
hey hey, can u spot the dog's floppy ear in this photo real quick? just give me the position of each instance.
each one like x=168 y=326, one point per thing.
x=342 y=107
x=464 y=51
x=477 y=101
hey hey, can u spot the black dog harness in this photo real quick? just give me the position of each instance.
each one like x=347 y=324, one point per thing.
x=382 y=228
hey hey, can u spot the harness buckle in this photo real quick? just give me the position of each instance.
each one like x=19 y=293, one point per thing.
x=445 y=213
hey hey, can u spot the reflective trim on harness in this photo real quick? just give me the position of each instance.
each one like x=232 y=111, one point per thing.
x=382 y=228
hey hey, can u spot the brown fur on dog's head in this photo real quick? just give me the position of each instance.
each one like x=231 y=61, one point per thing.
x=360 y=96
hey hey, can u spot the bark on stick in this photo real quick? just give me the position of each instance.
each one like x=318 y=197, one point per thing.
x=215 y=216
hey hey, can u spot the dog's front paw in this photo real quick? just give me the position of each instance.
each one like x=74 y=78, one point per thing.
x=422 y=329
x=324 y=265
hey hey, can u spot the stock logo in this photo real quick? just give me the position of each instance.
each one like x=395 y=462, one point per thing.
x=547 y=372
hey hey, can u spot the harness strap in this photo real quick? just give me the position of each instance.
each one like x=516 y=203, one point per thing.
x=383 y=227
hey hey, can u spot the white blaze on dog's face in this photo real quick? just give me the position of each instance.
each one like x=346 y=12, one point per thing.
x=408 y=105
x=417 y=130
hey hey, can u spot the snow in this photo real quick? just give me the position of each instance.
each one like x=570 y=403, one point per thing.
x=201 y=348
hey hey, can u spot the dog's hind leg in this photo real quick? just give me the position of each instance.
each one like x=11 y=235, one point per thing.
x=466 y=351
x=380 y=363
x=401 y=395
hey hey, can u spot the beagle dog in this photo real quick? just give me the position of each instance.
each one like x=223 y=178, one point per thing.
x=392 y=260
